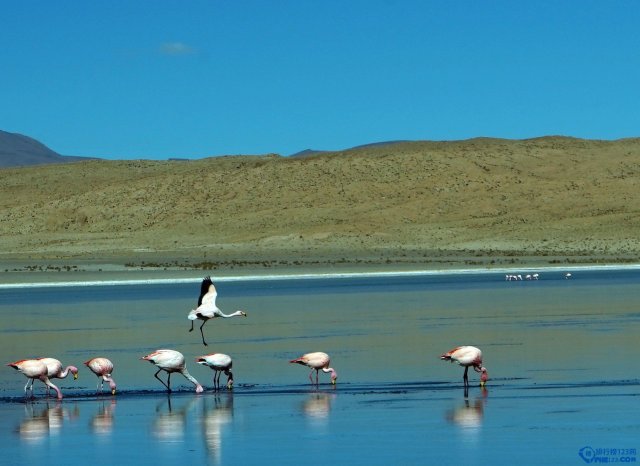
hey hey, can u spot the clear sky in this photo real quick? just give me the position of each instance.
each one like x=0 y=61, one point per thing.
x=159 y=79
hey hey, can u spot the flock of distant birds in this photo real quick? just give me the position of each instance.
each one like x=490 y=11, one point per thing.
x=530 y=276
x=171 y=361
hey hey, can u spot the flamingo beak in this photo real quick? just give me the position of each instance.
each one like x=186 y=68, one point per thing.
x=75 y=376
x=113 y=392
x=333 y=381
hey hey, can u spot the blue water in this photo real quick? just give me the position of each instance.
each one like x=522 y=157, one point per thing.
x=560 y=355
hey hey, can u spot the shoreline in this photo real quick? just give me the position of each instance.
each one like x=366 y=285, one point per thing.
x=14 y=280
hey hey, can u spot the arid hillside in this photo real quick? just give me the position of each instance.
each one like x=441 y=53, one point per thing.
x=418 y=202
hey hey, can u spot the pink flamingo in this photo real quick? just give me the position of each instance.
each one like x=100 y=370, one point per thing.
x=219 y=363
x=171 y=361
x=34 y=369
x=103 y=368
x=317 y=361
x=468 y=356
x=56 y=371
x=207 y=308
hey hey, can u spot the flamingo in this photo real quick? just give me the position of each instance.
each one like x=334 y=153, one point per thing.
x=34 y=369
x=467 y=356
x=55 y=370
x=219 y=363
x=103 y=368
x=317 y=361
x=171 y=361
x=207 y=308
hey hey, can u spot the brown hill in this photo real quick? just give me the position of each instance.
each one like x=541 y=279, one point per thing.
x=481 y=200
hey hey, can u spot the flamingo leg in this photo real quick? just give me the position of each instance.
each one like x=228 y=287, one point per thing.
x=466 y=377
x=311 y=376
x=202 y=333
x=26 y=387
x=317 y=376
x=161 y=381
x=191 y=329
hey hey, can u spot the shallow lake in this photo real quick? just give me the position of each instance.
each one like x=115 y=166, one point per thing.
x=561 y=357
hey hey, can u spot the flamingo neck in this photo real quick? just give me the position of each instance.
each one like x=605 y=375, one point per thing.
x=233 y=314
x=48 y=383
x=66 y=371
x=334 y=374
x=112 y=383
x=192 y=379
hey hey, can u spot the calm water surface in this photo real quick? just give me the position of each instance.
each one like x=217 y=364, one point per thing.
x=560 y=355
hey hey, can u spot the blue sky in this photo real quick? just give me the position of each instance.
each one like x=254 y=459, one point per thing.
x=159 y=79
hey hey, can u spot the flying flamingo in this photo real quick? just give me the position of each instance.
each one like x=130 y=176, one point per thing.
x=103 y=368
x=55 y=370
x=207 y=308
x=317 y=361
x=219 y=363
x=171 y=361
x=34 y=369
x=468 y=356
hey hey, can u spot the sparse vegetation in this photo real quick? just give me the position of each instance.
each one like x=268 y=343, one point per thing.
x=478 y=202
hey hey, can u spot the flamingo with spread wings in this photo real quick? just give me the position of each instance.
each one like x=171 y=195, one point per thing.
x=207 y=308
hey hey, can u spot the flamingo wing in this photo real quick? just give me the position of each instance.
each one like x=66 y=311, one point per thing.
x=100 y=366
x=54 y=367
x=315 y=360
x=168 y=360
x=464 y=355
x=206 y=310
x=210 y=297
x=31 y=368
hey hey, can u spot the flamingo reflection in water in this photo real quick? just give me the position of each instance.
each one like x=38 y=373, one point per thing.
x=470 y=415
x=47 y=422
x=215 y=418
x=102 y=421
x=170 y=422
x=317 y=407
